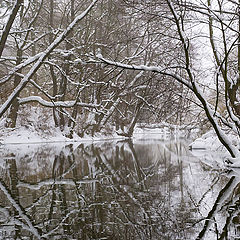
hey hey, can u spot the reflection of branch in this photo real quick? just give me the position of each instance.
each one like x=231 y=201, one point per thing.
x=124 y=190
x=171 y=151
x=117 y=179
x=232 y=210
x=14 y=222
x=224 y=231
x=20 y=211
x=197 y=204
x=61 y=223
x=140 y=173
x=223 y=194
x=37 y=186
x=37 y=201
x=215 y=181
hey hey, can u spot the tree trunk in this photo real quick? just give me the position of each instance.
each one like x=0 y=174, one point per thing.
x=8 y=25
x=12 y=117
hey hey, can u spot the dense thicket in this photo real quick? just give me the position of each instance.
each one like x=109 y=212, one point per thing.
x=106 y=65
x=86 y=95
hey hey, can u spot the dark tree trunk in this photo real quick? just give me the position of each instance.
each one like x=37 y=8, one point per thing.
x=12 y=117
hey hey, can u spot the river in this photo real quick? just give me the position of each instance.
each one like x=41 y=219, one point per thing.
x=115 y=190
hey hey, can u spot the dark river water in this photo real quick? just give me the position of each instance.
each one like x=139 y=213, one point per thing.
x=115 y=190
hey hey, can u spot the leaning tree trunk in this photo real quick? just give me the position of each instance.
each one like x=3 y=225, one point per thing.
x=12 y=117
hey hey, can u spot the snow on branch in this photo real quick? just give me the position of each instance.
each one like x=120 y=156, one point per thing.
x=19 y=67
x=65 y=104
x=42 y=57
x=192 y=84
x=144 y=68
x=196 y=89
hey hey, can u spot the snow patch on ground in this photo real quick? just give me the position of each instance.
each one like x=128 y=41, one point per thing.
x=209 y=149
x=36 y=125
x=23 y=135
x=28 y=133
x=208 y=141
x=163 y=133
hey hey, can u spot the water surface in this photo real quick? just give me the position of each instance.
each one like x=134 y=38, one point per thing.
x=115 y=190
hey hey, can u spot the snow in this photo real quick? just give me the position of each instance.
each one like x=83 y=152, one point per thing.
x=209 y=150
x=143 y=68
x=28 y=135
x=25 y=135
x=152 y=133
x=35 y=131
x=211 y=142
x=207 y=141
x=56 y=104
x=197 y=182
x=42 y=57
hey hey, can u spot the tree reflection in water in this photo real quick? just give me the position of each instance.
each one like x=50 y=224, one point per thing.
x=114 y=191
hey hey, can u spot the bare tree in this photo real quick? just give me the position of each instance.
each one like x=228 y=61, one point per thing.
x=183 y=70
x=38 y=61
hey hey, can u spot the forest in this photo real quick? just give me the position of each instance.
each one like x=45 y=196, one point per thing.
x=103 y=66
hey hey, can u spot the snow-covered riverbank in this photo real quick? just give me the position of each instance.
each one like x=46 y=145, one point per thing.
x=207 y=147
x=29 y=134
x=26 y=135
